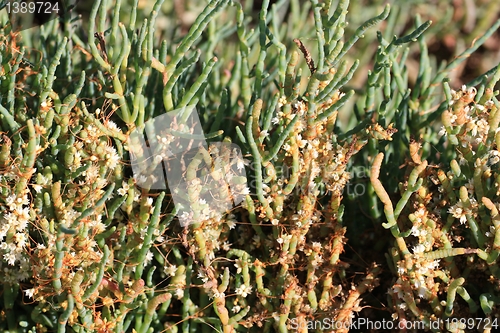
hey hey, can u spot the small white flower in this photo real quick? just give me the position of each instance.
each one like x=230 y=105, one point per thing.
x=203 y=276
x=112 y=157
x=415 y=231
x=37 y=188
x=434 y=264
x=243 y=290
x=282 y=101
x=112 y=126
x=29 y=292
x=10 y=258
x=124 y=189
x=240 y=165
x=226 y=246
x=170 y=270
x=420 y=248
x=185 y=216
x=231 y=224
x=238 y=264
x=316 y=246
x=149 y=257
x=11 y=202
x=218 y=294
x=492 y=231
x=458 y=212
x=245 y=191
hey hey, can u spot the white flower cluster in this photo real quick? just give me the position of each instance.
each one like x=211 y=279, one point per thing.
x=422 y=279
x=112 y=157
x=320 y=161
x=217 y=186
x=472 y=116
x=243 y=290
x=468 y=93
x=459 y=212
x=14 y=237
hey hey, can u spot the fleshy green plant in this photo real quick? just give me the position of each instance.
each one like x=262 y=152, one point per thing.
x=86 y=249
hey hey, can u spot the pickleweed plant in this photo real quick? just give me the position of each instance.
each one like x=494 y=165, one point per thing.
x=451 y=214
x=173 y=167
